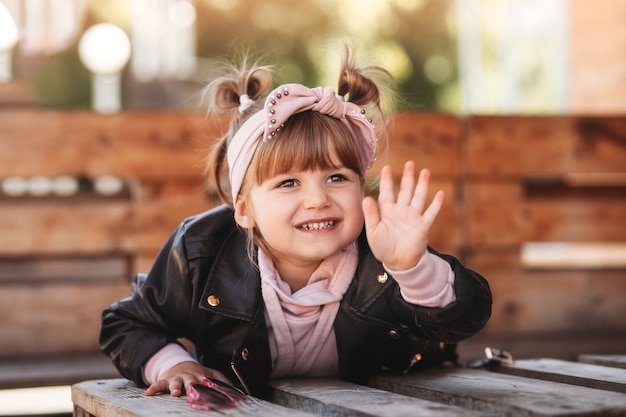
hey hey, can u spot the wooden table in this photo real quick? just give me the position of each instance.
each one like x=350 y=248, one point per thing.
x=537 y=387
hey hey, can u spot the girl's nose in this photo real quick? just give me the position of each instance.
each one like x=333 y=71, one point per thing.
x=315 y=197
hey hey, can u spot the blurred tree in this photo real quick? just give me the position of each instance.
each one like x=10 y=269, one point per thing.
x=63 y=82
x=411 y=38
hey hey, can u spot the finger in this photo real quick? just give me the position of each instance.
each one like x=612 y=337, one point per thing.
x=370 y=213
x=157 y=387
x=221 y=377
x=194 y=379
x=385 y=188
x=176 y=387
x=433 y=210
x=421 y=190
x=407 y=183
x=212 y=373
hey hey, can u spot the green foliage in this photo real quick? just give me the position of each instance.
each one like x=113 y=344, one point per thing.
x=301 y=39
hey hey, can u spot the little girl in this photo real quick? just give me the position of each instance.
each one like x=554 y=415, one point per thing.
x=299 y=273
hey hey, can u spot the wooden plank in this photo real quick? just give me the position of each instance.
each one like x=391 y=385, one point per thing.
x=493 y=190
x=49 y=370
x=121 y=398
x=535 y=302
x=175 y=191
x=510 y=213
x=446 y=233
x=93 y=228
x=594 y=179
x=616 y=361
x=530 y=346
x=567 y=255
x=564 y=189
x=519 y=146
x=331 y=397
x=431 y=140
x=89 y=228
x=126 y=144
x=498 y=224
x=500 y=394
x=151 y=224
x=567 y=372
x=58 y=318
x=32 y=270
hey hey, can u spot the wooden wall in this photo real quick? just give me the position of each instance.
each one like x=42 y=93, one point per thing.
x=535 y=189
x=513 y=184
x=63 y=258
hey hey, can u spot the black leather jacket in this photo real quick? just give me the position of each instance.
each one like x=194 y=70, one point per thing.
x=203 y=287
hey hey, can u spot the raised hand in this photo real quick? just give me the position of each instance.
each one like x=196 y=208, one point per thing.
x=397 y=228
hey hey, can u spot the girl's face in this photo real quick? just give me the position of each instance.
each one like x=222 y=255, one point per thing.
x=305 y=216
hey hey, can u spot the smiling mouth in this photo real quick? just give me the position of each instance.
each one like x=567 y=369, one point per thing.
x=318 y=225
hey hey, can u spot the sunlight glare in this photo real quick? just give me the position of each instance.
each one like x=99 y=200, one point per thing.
x=32 y=401
x=8 y=29
x=182 y=14
x=223 y=4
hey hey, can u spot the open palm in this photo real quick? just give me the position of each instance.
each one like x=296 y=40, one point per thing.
x=397 y=228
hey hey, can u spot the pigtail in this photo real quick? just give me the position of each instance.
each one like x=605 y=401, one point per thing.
x=359 y=85
x=370 y=88
x=224 y=100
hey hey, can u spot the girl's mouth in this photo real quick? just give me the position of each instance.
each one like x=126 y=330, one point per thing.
x=318 y=225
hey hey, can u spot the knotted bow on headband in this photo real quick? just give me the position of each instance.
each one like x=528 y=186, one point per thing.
x=285 y=101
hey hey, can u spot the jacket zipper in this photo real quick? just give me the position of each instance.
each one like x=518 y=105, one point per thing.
x=239 y=377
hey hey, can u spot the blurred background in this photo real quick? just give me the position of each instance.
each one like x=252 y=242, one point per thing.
x=518 y=107
x=465 y=56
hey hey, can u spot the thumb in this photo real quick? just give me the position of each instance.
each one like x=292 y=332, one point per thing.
x=158 y=387
x=370 y=213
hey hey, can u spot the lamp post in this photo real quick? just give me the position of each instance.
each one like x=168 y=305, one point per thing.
x=8 y=39
x=105 y=49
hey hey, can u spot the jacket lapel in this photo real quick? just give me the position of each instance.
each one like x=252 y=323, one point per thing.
x=233 y=287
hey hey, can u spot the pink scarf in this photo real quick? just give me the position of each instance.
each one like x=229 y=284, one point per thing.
x=300 y=325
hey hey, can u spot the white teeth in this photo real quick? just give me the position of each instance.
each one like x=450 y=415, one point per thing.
x=318 y=226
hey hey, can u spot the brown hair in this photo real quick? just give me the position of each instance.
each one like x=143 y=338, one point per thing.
x=308 y=140
x=222 y=95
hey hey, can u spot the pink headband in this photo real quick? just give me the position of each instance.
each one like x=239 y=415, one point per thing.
x=287 y=100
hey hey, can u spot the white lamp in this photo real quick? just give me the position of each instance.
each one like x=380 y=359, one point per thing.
x=8 y=39
x=105 y=49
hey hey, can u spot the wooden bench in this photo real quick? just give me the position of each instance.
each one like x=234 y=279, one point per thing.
x=541 y=387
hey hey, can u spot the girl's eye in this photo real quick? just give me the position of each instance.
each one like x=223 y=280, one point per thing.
x=337 y=178
x=287 y=183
